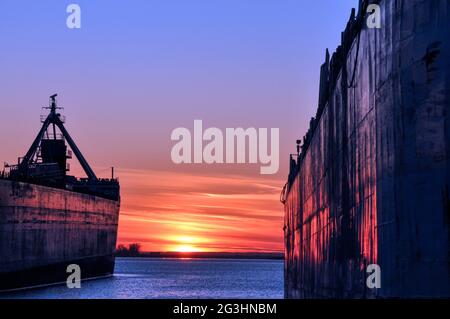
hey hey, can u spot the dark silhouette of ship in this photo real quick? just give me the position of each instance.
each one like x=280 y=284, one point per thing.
x=369 y=184
x=49 y=219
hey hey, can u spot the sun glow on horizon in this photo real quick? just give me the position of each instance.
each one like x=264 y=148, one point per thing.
x=187 y=249
x=187 y=244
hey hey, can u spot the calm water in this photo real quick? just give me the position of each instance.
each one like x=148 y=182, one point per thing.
x=139 y=278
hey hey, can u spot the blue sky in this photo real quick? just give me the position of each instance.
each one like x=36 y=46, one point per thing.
x=150 y=66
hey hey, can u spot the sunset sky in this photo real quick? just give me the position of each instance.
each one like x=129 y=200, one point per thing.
x=136 y=70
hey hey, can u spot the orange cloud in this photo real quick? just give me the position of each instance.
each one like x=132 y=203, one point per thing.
x=169 y=211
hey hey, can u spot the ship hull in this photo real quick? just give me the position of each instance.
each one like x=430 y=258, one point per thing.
x=43 y=230
x=372 y=186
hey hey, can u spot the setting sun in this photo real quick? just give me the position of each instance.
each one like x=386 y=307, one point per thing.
x=187 y=249
x=187 y=244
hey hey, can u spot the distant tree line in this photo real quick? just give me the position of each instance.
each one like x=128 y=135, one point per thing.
x=133 y=250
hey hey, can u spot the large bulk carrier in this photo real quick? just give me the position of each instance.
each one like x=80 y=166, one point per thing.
x=370 y=183
x=49 y=219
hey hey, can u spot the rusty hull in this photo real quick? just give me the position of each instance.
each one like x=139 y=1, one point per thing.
x=372 y=184
x=43 y=229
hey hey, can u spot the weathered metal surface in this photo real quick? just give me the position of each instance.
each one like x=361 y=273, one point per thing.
x=42 y=226
x=372 y=182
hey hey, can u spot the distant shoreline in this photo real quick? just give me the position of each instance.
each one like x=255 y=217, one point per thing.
x=221 y=255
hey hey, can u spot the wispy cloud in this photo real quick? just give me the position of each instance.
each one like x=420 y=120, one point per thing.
x=166 y=210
